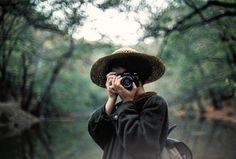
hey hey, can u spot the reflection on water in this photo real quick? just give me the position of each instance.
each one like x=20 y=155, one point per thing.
x=70 y=140
x=207 y=139
x=52 y=140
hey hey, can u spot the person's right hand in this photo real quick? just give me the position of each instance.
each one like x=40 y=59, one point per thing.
x=111 y=77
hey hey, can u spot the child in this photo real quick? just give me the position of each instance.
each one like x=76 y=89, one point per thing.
x=136 y=127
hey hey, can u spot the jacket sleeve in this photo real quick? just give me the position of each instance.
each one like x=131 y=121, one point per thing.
x=142 y=133
x=100 y=127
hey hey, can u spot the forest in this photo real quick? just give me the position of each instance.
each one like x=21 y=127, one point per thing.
x=45 y=70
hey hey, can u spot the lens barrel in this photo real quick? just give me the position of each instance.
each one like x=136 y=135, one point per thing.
x=127 y=82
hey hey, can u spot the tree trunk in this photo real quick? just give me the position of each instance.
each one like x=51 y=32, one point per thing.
x=39 y=108
x=200 y=106
x=230 y=51
x=26 y=91
x=7 y=45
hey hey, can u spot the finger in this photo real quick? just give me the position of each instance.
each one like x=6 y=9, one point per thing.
x=111 y=86
x=113 y=80
x=111 y=90
x=118 y=80
x=134 y=89
x=111 y=74
x=110 y=77
x=134 y=85
x=119 y=86
x=108 y=82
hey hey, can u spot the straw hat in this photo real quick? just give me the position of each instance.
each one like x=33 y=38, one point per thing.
x=151 y=67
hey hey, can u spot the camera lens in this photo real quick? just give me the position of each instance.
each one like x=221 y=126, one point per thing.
x=127 y=82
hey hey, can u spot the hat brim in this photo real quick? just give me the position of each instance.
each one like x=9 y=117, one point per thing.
x=99 y=69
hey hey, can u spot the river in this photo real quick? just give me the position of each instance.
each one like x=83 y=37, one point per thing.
x=69 y=139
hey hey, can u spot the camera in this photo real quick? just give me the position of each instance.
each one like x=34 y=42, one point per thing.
x=128 y=79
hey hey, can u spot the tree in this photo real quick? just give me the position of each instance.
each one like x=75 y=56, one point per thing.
x=206 y=33
x=20 y=20
x=203 y=12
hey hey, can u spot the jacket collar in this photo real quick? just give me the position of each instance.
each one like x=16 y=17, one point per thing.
x=144 y=96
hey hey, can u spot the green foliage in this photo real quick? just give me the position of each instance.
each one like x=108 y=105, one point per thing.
x=73 y=90
x=31 y=47
x=196 y=58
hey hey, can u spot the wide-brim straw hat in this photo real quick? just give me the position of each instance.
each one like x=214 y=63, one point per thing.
x=100 y=69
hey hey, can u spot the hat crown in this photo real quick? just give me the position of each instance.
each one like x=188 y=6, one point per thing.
x=125 y=50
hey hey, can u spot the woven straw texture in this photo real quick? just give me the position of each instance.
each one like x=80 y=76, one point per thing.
x=99 y=69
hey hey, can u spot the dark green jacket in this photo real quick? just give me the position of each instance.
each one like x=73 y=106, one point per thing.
x=135 y=130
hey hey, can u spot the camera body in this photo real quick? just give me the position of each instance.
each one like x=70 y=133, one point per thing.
x=128 y=79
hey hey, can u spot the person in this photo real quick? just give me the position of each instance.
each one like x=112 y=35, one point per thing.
x=136 y=127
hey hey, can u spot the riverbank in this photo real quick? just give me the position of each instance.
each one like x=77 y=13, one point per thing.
x=13 y=120
x=227 y=113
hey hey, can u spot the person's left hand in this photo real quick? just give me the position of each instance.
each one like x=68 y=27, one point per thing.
x=126 y=95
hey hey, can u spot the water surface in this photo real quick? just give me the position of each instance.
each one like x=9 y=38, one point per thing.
x=61 y=139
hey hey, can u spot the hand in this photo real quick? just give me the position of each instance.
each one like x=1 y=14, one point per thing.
x=111 y=92
x=126 y=95
x=111 y=77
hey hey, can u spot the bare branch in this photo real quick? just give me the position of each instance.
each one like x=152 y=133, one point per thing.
x=222 y=4
x=201 y=9
x=209 y=20
x=181 y=26
x=192 y=5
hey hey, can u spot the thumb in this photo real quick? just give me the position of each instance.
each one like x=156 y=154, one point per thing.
x=134 y=86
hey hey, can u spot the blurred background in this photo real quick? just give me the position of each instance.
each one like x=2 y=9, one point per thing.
x=47 y=49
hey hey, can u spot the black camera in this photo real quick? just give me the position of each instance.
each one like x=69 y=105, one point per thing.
x=128 y=79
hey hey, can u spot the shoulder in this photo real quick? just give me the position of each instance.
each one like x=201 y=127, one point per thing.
x=157 y=101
